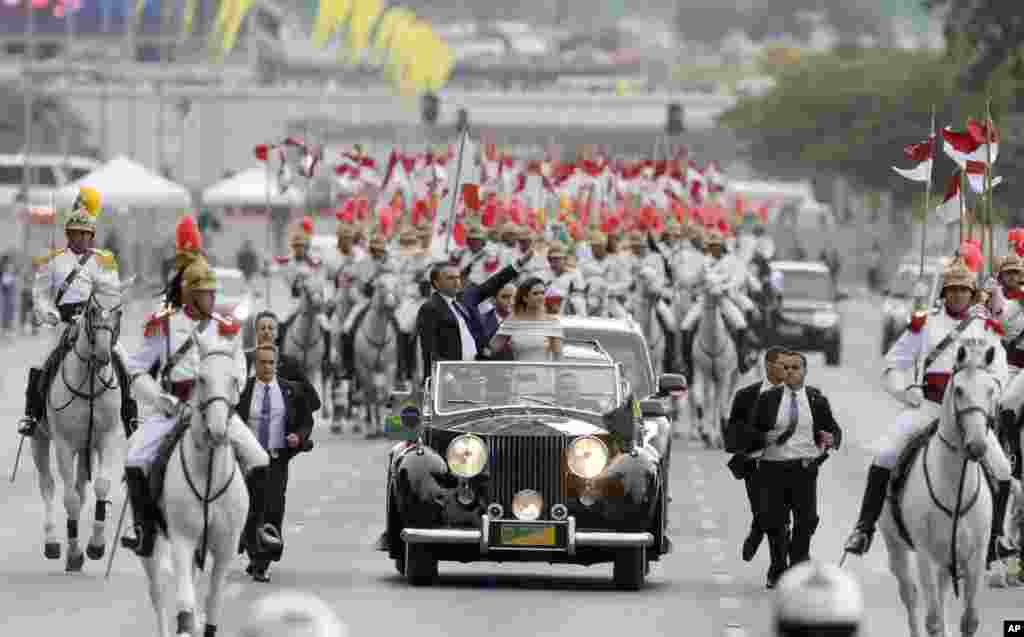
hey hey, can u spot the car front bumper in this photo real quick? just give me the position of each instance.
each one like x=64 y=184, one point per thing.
x=573 y=539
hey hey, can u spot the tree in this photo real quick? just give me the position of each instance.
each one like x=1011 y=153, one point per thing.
x=984 y=35
x=852 y=114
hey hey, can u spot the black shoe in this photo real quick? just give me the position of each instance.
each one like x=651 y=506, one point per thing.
x=859 y=541
x=143 y=511
x=261 y=572
x=751 y=544
x=772 y=580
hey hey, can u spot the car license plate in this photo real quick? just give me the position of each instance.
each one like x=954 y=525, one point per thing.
x=516 y=535
x=791 y=330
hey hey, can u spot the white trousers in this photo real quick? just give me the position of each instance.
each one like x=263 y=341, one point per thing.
x=913 y=421
x=144 y=443
x=730 y=312
x=51 y=339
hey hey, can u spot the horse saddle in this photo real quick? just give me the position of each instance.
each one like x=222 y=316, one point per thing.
x=158 y=470
x=902 y=472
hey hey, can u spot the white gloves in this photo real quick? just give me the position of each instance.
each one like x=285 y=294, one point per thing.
x=146 y=389
x=48 y=316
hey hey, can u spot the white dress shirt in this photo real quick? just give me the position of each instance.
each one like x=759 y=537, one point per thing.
x=465 y=335
x=801 y=445
x=277 y=434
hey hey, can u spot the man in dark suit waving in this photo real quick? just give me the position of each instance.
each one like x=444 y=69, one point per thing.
x=278 y=411
x=747 y=442
x=799 y=430
x=450 y=328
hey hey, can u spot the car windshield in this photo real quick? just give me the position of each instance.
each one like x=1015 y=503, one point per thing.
x=231 y=287
x=464 y=385
x=626 y=348
x=804 y=285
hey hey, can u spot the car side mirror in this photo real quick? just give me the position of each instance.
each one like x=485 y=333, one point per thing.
x=652 y=408
x=671 y=384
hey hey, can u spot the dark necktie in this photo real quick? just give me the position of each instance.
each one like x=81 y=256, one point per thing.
x=461 y=310
x=264 y=433
x=794 y=418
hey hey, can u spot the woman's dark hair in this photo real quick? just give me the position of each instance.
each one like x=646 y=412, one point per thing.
x=265 y=314
x=524 y=291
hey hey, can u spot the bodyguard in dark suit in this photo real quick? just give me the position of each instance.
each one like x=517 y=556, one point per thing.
x=278 y=412
x=449 y=327
x=799 y=430
x=747 y=442
x=288 y=367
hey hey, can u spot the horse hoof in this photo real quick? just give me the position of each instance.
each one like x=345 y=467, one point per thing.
x=95 y=552
x=74 y=563
x=52 y=550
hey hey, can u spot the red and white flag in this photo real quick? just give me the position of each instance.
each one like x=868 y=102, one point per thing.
x=949 y=210
x=976 y=176
x=922 y=154
x=977 y=143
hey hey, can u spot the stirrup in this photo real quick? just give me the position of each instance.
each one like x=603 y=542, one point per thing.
x=27 y=426
x=859 y=542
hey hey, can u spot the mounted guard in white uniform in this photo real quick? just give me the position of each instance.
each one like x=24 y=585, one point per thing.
x=169 y=346
x=933 y=337
x=61 y=288
x=295 y=269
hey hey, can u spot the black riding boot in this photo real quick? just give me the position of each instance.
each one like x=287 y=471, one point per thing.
x=871 y=507
x=998 y=550
x=669 y=364
x=742 y=350
x=33 y=412
x=129 y=408
x=265 y=541
x=348 y=356
x=142 y=513
x=686 y=343
x=401 y=353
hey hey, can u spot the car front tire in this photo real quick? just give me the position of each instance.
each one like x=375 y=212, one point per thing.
x=420 y=565
x=630 y=569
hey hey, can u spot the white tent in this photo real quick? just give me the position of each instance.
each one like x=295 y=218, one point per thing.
x=124 y=183
x=250 y=188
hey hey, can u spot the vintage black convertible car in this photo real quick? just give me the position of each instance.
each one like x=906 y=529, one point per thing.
x=529 y=461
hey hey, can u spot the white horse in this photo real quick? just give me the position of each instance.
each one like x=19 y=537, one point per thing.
x=643 y=305
x=83 y=422
x=946 y=492
x=205 y=501
x=376 y=353
x=715 y=369
x=307 y=338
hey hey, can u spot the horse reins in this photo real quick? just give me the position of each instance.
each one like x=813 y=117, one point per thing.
x=207 y=499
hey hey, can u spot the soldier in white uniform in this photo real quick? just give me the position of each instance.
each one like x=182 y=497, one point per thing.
x=364 y=273
x=479 y=260
x=536 y=266
x=339 y=271
x=186 y=315
x=933 y=337
x=568 y=284
x=719 y=270
x=297 y=268
x=412 y=267
x=60 y=290
x=507 y=248
x=1007 y=307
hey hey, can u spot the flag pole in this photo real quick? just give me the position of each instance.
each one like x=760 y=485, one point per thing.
x=456 y=193
x=927 y=193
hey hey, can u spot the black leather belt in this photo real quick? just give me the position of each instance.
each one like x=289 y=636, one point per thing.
x=69 y=311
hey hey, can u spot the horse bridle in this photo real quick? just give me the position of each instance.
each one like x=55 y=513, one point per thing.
x=959 y=414
x=92 y=330
x=205 y=405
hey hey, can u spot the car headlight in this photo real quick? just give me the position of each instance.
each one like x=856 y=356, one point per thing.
x=824 y=320
x=466 y=456
x=527 y=505
x=588 y=457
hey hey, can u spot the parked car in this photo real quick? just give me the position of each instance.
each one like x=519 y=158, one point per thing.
x=529 y=461
x=806 y=318
x=904 y=289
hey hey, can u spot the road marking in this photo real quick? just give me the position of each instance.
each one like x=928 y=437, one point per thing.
x=722 y=578
x=708 y=525
x=699 y=496
x=718 y=558
x=315 y=512
x=729 y=603
x=734 y=630
x=326 y=498
x=706 y=510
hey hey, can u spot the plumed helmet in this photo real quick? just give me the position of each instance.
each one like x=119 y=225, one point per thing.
x=292 y=614
x=714 y=238
x=198 y=277
x=959 y=275
x=598 y=238
x=303 y=233
x=557 y=249
x=524 y=234
x=188 y=242
x=424 y=232
x=476 y=231
x=1011 y=263
x=812 y=595
x=378 y=242
x=346 y=231
x=85 y=210
x=509 y=230
x=409 y=235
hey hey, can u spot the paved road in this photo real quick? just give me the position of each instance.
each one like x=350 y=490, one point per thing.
x=335 y=512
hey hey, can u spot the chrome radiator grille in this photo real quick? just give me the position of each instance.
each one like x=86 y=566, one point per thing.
x=527 y=462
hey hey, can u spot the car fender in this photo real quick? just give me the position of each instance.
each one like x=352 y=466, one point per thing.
x=420 y=483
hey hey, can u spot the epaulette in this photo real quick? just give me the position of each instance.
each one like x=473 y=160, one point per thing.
x=51 y=254
x=282 y=260
x=226 y=326
x=106 y=259
x=917 y=321
x=155 y=322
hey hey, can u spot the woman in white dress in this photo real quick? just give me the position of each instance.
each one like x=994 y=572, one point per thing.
x=531 y=333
